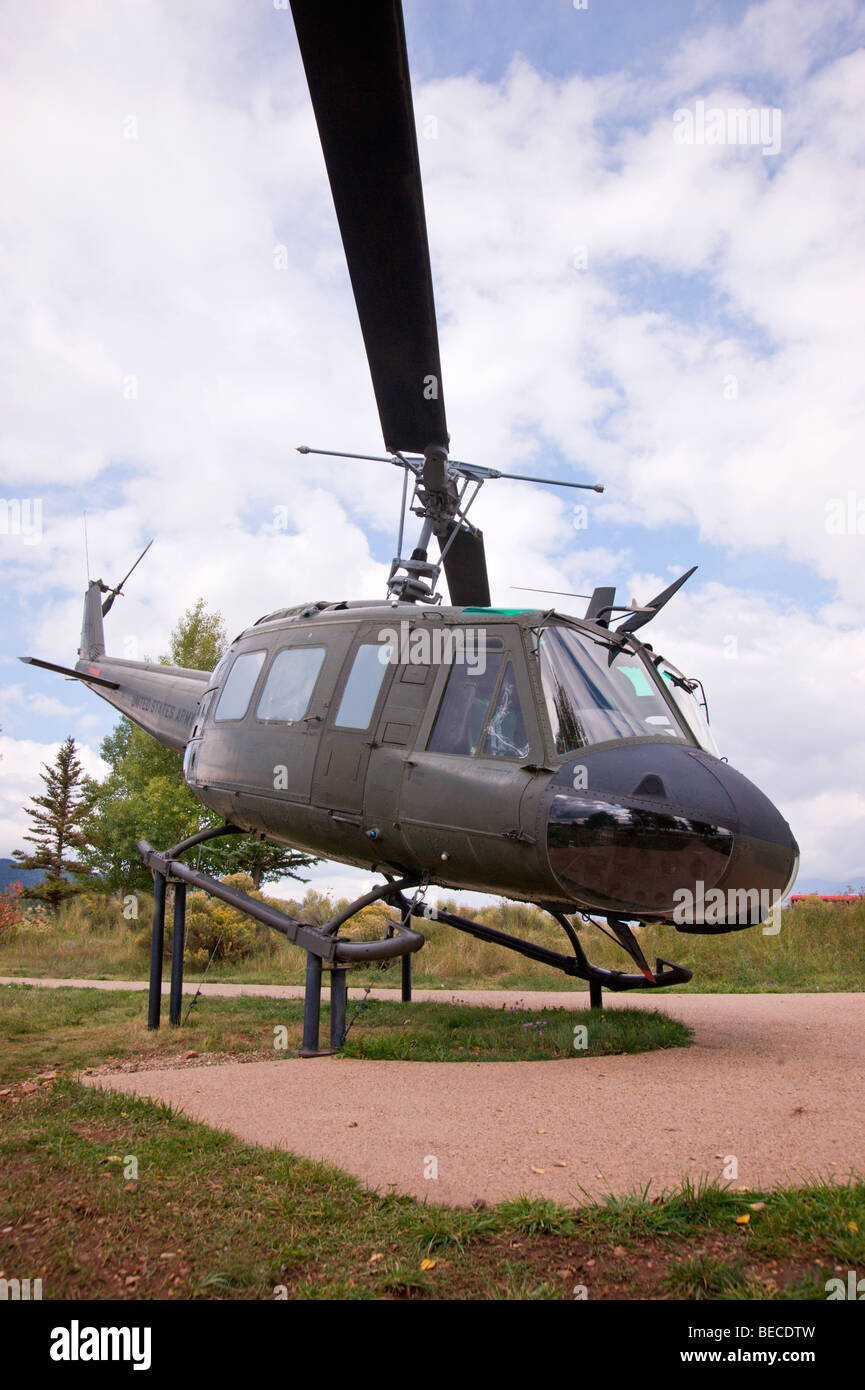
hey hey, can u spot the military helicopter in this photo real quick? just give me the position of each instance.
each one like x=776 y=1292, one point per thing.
x=552 y=759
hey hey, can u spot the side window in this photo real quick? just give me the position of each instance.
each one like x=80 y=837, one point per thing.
x=506 y=731
x=463 y=710
x=363 y=685
x=289 y=683
x=237 y=691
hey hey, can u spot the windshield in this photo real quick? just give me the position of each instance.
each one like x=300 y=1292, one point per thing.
x=596 y=692
x=684 y=692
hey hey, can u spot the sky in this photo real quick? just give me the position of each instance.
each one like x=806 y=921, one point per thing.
x=632 y=289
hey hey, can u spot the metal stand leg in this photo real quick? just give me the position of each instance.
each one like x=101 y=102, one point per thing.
x=338 y=997
x=596 y=994
x=311 y=1006
x=406 y=979
x=154 y=1003
x=178 y=941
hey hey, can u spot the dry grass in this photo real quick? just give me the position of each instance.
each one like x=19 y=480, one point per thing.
x=819 y=947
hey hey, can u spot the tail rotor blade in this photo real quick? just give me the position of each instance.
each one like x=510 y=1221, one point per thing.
x=118 y=589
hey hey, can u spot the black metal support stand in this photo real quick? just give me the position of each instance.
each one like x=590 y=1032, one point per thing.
x=321 y=943
x=178 y=941
x=406 y=979
x=311 y=1006
x=596 y=995
x=157 y=941
x=338 y=1000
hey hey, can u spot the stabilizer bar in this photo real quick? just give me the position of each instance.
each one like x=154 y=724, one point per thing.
x=309 y=937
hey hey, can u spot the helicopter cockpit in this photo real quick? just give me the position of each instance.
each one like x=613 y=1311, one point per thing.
x=598 y=692
x=481 y=712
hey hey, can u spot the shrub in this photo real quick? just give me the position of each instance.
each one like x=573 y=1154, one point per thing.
x=215 y=928
x=11 y=914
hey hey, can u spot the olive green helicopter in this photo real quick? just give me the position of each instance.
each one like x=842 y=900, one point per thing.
x=526 y=753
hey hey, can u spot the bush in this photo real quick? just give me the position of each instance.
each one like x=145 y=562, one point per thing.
x=213 y=928
x=11 y=914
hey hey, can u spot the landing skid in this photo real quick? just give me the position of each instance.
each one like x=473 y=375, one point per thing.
x=326 y=950
x=578 y=965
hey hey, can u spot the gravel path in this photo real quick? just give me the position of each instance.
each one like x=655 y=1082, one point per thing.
x=774 y=1082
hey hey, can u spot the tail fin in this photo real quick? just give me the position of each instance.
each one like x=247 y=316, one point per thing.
x=161 y=699
x=92 y=631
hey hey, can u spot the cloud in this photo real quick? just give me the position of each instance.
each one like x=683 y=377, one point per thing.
x=43 y=706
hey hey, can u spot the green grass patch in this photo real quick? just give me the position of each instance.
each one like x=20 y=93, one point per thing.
x=68 y=1029
x=468 y=1033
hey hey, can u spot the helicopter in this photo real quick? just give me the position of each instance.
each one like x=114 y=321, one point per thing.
x=513 y=751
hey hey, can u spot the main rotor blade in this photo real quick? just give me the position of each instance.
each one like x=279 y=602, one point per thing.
x=356 y=65
x=465 y=567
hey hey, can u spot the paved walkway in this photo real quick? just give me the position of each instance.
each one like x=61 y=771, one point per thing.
x=772 y=1082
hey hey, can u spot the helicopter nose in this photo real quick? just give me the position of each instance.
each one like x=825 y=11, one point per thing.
x=660 y=830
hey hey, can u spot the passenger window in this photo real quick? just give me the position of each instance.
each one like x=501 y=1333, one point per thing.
x=506 y=732
x=463 y=710
x=363 y=685
x=237 y=691
x=289 y=683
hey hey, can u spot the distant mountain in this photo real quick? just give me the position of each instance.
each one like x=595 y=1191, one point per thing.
x=809 y=884
x=10 y=873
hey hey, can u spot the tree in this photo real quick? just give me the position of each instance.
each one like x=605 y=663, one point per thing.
x=57 y=820
x=263 y=861
x=145 y=796
x=198 y=640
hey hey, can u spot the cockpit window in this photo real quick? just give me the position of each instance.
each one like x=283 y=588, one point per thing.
x=596 y=692
x=463 y=710
x=480 y=714
x=506 y=731
x=684 y=692
x=238 y=688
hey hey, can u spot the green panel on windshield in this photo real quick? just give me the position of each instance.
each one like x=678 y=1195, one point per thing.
x=639 y=680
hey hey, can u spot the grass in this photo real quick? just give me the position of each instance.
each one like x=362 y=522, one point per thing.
x=68 y=1029
x=201 y=1215
x=467 y=1033
x=209 y=1217
x=819 y=948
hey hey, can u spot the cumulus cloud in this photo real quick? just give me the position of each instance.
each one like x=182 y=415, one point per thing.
x=681 y=322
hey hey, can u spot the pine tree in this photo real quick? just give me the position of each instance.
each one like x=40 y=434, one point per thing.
x=263 y=861
x=57 y=819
